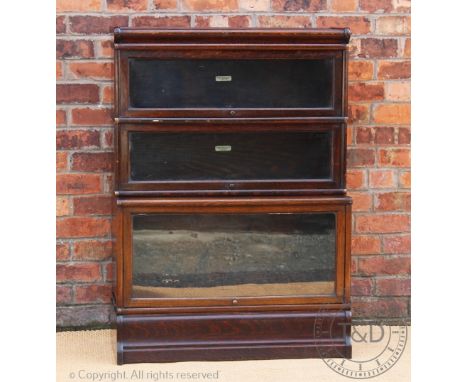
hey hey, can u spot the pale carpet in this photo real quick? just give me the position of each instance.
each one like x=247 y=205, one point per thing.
x=90 y=356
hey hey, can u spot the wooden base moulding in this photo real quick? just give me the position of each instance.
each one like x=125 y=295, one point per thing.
x=233 y=336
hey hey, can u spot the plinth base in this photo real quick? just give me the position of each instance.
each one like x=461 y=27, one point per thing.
x=233 y=336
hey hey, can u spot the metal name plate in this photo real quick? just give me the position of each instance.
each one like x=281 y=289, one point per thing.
x=223 y=148
x=223 y=78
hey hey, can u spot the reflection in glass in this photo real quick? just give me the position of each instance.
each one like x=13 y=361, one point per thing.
x=230 y=156
x=219 y=255
x=304 y=83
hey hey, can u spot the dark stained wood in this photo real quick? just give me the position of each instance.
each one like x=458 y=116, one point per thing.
x=287 y=183
x=245 y=327
x=241 y=336
x=241 y=45
x=123 y=35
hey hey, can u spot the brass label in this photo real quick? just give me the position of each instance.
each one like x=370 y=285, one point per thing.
x=223 y=148
x=223 y=78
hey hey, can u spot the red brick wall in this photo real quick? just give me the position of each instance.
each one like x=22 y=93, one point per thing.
x=378 y=137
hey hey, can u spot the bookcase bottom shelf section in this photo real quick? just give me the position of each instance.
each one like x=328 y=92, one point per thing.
x=233 y=336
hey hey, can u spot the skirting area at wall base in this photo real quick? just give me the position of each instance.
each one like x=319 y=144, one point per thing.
x=233 y=336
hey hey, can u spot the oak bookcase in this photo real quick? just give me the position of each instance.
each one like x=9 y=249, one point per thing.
x=231 y=218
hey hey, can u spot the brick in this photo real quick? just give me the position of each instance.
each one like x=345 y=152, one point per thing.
x=61 y=161
x=365 y=245
x=62 y=206
x=361 y=157
x=376 y=6
x=108 y=94
x=92 y=161
x=361 y=286
x=96 y=24
x=375 y=48
x=212 y=5
x=74 y=49
x=344 y=5
x=62 y=251
x=394 y=70
x=398 y=114
x=382 y=179
x=96 y=117
x=402 y=6
x=378 y=265
x=78 y=272
x=393 y=287
x=400 y=244
x=88 y=294
x=357 y=24
x=364 y=135
x=394 y=158
x=393 y=201
x=83 y=315
x=404 y=135
x=284 y=21
x=93 y=70
x=58 y=70
x=404 y=180
x=126 y=5
x=393 y=25
x=407 y=48
x=377 y=135
x=63 y=294
x=358 y=113
x=161 y=22
x=384 y=135
x=366 y=92
x=77 y=93
x=379 y=223
x=165 y=4
x=222 y=21
x=299 y=5
x=354 y=48
x=83 y=227
x=354 y=265
x=60 y=26
x=372 y=308
x=362 y=201
x=355 y=179
x=77 y=139
x=73 y=184
x=106 y=49
x=254 y=5
x=60 y=117
x=92 y=205
x=398 y=91
x=361 y=70
x=108 y=139
x=78 y=5
x=92 y=250
x=349 y=135
x=109 y=270
x=108 y=183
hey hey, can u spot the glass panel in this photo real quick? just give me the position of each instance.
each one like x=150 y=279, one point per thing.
x=230 y=156
x=230 y=83
x=229 y=255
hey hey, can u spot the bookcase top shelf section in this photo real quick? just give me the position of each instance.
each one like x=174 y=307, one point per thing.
x=230 y=73
x=254 y=36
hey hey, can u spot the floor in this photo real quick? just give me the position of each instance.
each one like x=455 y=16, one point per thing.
x=90 y=356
